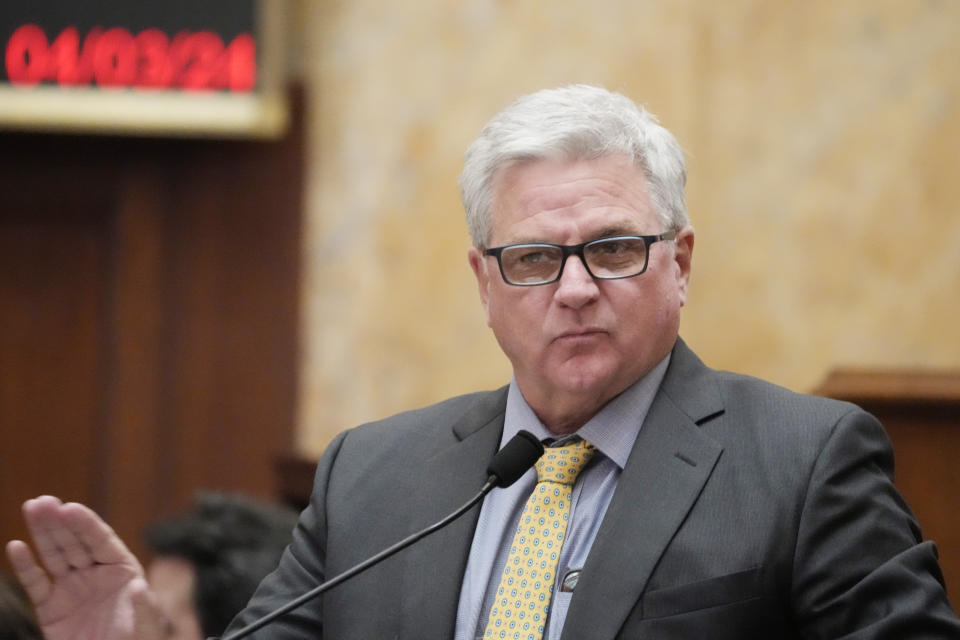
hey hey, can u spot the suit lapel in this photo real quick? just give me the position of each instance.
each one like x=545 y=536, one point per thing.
x=667 y=469
x=434 y=566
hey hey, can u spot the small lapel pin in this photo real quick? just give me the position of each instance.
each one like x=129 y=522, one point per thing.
x=569 y=582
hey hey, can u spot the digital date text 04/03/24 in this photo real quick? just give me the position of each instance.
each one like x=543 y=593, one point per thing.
x=115 y=57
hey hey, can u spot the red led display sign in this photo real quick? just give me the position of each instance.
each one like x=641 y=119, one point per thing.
x=118 y=58
x=177 y=66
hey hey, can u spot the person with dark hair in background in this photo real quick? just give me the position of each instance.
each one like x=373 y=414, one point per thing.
x=207 y=563
x=16 y=614
x=205 y=566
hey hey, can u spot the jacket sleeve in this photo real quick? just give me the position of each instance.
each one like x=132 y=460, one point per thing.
x=861 y=569
x=301 y=568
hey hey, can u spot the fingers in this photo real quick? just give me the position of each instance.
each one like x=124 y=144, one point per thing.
x=30 y=574
x=96 y=537
x=72 y=536
x=43 y=521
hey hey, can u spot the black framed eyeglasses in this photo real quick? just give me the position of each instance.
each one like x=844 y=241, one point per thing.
x=531 y=264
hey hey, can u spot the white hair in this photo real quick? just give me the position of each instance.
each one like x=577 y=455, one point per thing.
x=577 y=122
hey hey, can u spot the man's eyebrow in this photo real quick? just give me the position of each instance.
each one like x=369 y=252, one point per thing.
x=618 y=230
x=606 y=232
x=525 y=240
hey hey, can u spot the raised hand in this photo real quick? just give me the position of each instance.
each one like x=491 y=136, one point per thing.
x=83 y=581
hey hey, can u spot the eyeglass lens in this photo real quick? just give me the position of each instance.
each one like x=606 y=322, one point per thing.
x=613 y=258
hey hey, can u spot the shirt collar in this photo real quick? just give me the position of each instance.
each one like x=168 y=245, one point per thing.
x=612 y=430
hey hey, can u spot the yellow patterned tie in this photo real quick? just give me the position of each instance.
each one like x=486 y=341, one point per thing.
x=519 y=610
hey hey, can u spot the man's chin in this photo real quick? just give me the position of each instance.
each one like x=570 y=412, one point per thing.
x=585 y=375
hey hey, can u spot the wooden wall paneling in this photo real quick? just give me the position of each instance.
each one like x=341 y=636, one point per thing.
x=195 y=373
x=53 y=256
x=236 y=261
x=148 y=320
x=131 y=487
x=265 y=257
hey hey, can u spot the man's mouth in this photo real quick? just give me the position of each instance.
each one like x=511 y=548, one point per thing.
x=580 y=334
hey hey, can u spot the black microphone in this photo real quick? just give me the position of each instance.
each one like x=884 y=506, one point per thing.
x=514 y=459
x=505 y=468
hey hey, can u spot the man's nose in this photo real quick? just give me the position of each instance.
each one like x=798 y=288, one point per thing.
x=576 y=287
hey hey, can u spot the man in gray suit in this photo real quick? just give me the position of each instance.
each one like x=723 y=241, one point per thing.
x=714 y=505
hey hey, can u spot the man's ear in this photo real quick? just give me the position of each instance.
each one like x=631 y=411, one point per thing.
x=479 y=265
x=683 y=255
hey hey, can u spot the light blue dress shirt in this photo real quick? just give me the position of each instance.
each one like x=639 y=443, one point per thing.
x=612 y=431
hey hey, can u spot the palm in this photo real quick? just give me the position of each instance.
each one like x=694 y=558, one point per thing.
x=86 y=585
x=90 y=604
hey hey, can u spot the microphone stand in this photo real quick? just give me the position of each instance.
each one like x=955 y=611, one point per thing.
x=506 y=467
x=491 y=482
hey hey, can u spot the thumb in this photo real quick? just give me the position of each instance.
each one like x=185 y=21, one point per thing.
x=149 y=621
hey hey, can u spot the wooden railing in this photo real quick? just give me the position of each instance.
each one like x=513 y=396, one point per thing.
x=294 y=473
x=921 y=412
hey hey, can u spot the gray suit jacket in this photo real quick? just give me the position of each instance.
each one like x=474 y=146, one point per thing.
x=744 y=511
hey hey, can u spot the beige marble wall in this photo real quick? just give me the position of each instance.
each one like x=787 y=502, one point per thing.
x=822 y=143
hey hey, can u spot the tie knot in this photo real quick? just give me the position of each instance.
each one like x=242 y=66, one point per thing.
x=564 y=464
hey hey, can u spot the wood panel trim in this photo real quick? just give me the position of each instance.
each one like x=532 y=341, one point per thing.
x=891 y=385
x=131 y=442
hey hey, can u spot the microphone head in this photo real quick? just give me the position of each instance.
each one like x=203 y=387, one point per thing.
x=513 y=460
